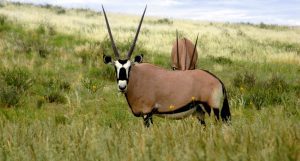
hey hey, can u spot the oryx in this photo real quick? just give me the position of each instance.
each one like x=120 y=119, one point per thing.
x=175 y=94
x=184 y=54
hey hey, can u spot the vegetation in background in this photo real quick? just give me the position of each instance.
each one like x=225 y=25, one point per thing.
x=59 y=101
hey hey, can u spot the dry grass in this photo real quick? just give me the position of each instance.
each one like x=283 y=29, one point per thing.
x=71 y=110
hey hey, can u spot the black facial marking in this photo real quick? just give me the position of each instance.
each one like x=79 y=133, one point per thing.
x=122 y=61
x=122 y=74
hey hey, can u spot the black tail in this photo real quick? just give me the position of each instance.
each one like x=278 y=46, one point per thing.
x=225 y=112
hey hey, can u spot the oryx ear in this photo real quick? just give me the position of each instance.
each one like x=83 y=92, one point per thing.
x=138 y=58
x=107 y=59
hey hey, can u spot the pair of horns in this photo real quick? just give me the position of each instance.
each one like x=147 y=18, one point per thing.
x=193 y=50
x=112 y=39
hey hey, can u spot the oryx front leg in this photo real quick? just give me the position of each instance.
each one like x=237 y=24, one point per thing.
x=200 y=114
x=148 y=119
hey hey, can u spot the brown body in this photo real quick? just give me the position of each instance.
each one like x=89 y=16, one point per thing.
x=154 y=89
x=184 y=59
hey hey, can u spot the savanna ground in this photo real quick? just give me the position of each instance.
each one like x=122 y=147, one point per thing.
x=58 y=101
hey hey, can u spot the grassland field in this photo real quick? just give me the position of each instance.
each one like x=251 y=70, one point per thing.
x=59 y=101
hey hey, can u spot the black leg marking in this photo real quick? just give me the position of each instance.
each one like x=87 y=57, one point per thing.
x=200 y=114
x=217 y=113
x=207 y=108
x=148 y=120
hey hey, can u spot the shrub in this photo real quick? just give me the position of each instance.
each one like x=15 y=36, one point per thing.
x=52 y=90
x=32 y=42
x=220 y=60
x=241 y=33
x=108 y=73
x=9 y=96
x=46 y=29
x=4 y=24
x=165 y=21
x=89 y=53
x=17 y=77
x=92 y=85
x=244 y=80
x=14 y=83
x=55 y=97
x=3 y=19
x=60 y=10
x=277 y=83
x=60 y=119
x=271 y=91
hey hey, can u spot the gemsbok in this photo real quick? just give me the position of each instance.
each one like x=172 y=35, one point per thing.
x=184 y=54
x=173 y=94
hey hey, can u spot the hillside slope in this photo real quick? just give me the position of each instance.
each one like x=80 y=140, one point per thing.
x=58 y=101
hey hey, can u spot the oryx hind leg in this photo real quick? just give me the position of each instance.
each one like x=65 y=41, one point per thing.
x=207 y=108
x=215 y=102
x=216 y=113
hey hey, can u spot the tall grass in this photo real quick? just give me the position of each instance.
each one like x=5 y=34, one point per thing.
x=58 y=101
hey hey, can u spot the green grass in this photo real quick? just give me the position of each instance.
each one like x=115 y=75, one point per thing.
x=59 y=101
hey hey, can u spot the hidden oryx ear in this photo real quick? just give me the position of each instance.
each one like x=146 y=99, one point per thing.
x=138 y=58
x=107 y=59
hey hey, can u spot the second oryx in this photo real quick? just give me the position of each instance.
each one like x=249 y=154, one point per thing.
x=184 y=54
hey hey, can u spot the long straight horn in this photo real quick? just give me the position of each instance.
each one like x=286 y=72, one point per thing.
x=110 y=36
x=136 y=35
x=177 y=48
x=194 y=49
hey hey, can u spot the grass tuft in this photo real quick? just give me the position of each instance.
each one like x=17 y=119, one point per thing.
x=14 y=84
x=69 y=107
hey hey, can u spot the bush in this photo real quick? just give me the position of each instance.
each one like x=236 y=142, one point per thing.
x=277 y=83
x=17 y=77
x=9 y=96
x=34 y=42
x=55 y=97
x=60 y=10
x=92 y=85
x=89 y=53
x=165 y=21
x=4 y=24
x=244 y=80
x=52 y=90
x=60 y=119
x=14 y=83
x=220 y=60
x=272 y=91
x=108 y=73
x=3 y=20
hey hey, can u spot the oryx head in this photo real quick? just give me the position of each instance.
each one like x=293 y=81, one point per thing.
x=122 y=66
